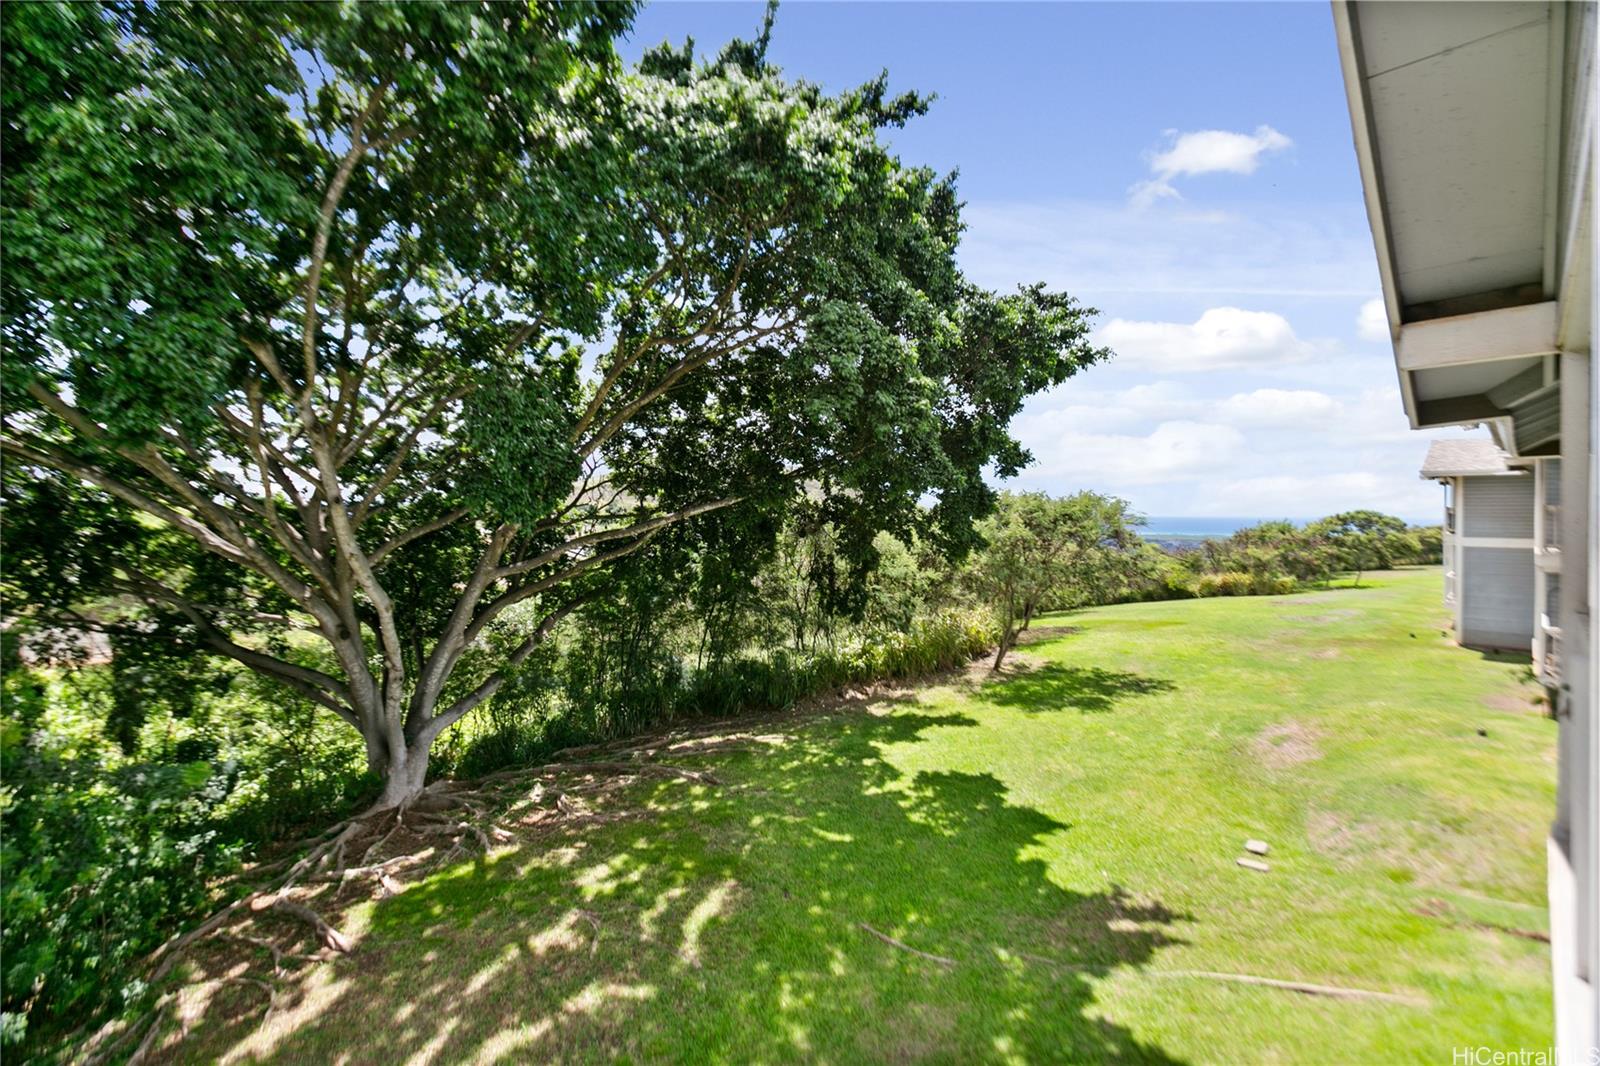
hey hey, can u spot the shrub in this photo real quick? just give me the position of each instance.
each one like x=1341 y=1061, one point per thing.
x=1178 y=586
x=567 y=702
x=99 y=859
x=1271 y=584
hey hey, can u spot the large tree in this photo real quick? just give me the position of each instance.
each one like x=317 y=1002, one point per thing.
x=356 y=342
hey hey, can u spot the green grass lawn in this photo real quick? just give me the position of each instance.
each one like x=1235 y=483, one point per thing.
x=1064 y=836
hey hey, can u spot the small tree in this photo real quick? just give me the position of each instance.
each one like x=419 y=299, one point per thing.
x=1366 y=540
x=1042 y=552
x=296 y=306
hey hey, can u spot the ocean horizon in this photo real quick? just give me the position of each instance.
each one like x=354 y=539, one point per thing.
x=1205 y=525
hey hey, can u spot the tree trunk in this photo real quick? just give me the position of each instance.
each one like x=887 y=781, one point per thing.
x=1007 y=640
x=1007 y=633
x=404 y=776
x=1027 y=618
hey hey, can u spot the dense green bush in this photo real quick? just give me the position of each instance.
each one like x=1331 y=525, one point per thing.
x=1267 y=550
x=1239 y=583
x=99 y=857
x=1229 y=583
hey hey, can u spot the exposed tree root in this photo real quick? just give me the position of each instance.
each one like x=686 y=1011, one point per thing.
x=154 y=1030
x=660 y=769
x=448 y=820
x=377 y=869
x=277 y=953
x=330 y=937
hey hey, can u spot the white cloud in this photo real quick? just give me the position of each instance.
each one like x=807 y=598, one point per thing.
x=1377 y=418
x=1319 y=493
x=1302 y=409
x=1195 y=448
x=1107 y=410
x=1107 y=253
x=1172 y=451
x=1204 y=152
x=1141 y=194
x=1275 y=420
x=1372 y=322
x=1222 y=338
x=1210 y=151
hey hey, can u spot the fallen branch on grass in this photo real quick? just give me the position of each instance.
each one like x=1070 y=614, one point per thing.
x=594 y=920
x=1509 y=930
x=1303 y=987
x=903 y=946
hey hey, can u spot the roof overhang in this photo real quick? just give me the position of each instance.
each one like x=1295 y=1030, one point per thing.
x=1458 y=114
x=1450 y=459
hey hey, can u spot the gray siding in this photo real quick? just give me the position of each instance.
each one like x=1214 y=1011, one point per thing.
x=1496 y=507
x=1497 y=597
x=1537 y=420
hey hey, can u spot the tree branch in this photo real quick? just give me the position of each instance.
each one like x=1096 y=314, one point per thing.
x=319 y=242
x=400 y=540
x=443 y=720
x=637 y=529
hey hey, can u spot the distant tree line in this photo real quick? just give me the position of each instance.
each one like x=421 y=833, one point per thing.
x=1278 y=556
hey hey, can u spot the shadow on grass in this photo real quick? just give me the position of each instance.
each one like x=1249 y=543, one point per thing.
x=1510 y=656
x=1056 y=687
x=1037 y=634
x=730 y=924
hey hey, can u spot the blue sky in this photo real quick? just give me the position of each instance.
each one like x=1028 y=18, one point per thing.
x=1187 y=170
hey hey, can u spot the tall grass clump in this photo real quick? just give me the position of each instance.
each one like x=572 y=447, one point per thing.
x=579 y=698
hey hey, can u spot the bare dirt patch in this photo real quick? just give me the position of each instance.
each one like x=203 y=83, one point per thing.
x=1017 y=663
x=1515 y=702
x=1327 y=653
x=1341 y=614
x=919 y=1033
x=1416 y=851
x=1286 y=744
x=1340 y=837
x=1040 y=634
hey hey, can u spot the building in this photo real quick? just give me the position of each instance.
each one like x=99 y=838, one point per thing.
x=1490 y=579
x=1474 y=126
